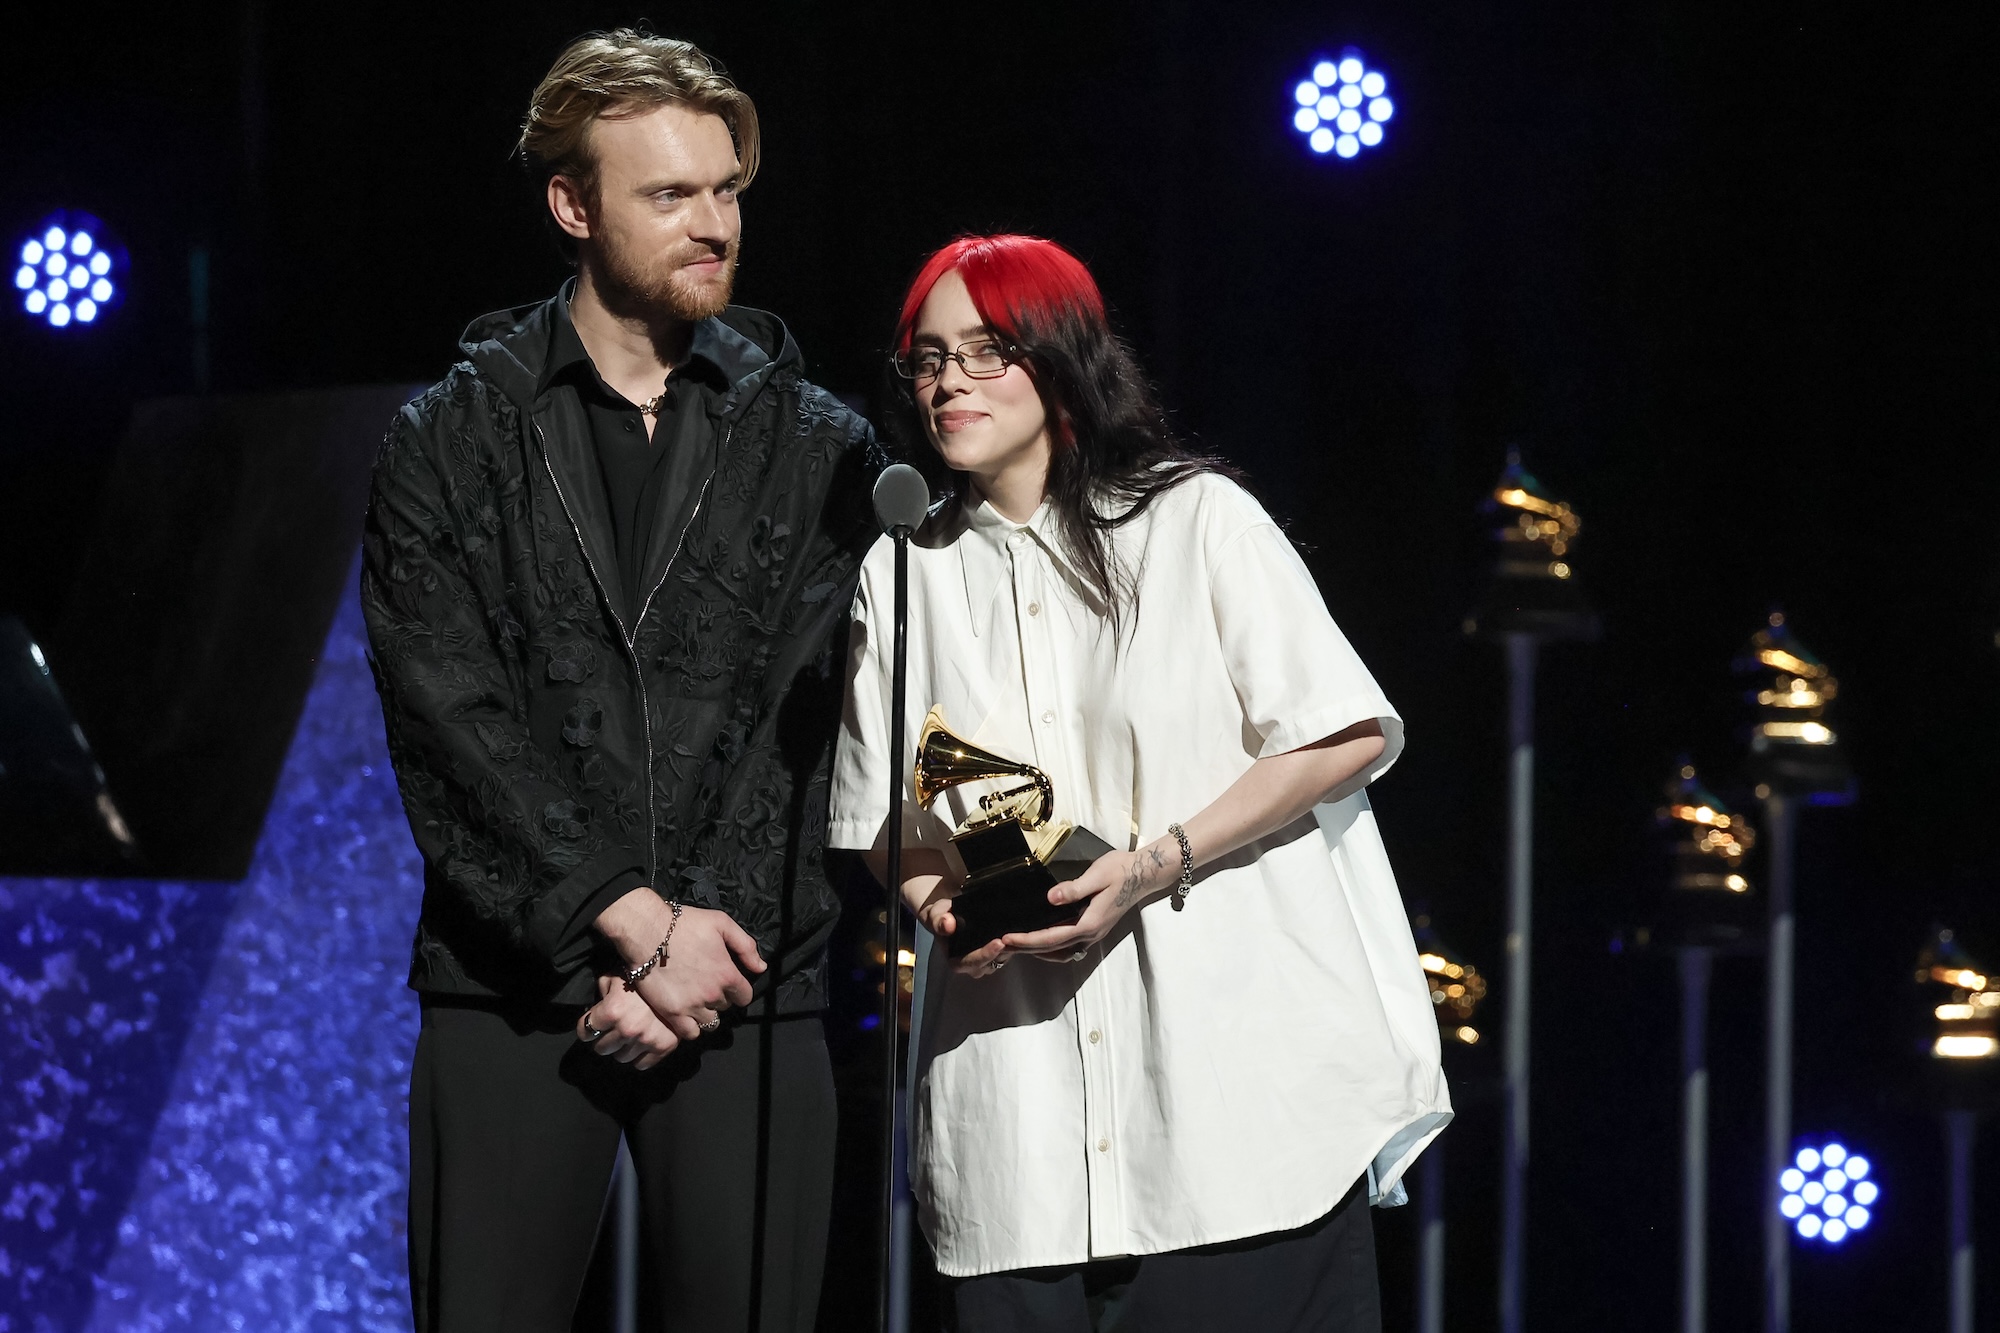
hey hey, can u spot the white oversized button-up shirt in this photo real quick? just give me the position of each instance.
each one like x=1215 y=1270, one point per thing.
x=1206 y=1075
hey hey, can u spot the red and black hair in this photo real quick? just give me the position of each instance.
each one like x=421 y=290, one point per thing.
x=1114 y=451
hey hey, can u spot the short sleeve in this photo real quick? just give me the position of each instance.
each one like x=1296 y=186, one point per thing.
x=1296 y=676
x=859 y=801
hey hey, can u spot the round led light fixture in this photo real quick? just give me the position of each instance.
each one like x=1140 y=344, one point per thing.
x=68 y=271
x=1342 y=106
x=1829 y=1193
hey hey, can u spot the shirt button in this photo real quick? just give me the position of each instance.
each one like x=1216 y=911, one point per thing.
x=1095 y=1036
x=1048 y=716
x=1018 y=540
x=1104 y=1145
x=1034 y=608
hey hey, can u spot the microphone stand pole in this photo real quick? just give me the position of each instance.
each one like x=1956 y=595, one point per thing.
x=892 y=918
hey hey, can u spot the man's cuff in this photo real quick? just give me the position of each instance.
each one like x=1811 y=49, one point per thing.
x=570 y=941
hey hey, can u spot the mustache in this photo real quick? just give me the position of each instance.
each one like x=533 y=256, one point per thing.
x=695 y=252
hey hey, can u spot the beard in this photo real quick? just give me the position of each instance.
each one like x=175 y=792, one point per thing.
x=647 y=286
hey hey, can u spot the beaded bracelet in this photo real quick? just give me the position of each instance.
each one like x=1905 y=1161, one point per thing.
x=638 y=974
x=1182 y=889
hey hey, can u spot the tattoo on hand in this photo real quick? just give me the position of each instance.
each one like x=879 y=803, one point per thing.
x=1147 y=862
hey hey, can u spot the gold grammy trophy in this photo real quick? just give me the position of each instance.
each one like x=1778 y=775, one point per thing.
x=1014 y=850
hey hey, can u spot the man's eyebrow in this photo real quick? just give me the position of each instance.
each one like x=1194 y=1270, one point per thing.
x=689 y=187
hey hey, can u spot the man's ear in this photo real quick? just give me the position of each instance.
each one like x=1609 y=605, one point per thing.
x=570 y=205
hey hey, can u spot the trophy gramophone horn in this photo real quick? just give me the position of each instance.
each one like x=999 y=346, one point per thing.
x=1014 y=847
x=945 y=760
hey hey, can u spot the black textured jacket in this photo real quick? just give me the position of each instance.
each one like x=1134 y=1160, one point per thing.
x=543 y=748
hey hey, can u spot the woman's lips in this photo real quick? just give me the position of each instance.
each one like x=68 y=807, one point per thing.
x=951 y=422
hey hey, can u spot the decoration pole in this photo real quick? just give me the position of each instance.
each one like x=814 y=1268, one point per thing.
x=1779 y=820
x=1958 y=1131
x=1697 y=965
x=1520 y=925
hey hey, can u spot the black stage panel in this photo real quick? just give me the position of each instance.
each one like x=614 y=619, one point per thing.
x=224 y=539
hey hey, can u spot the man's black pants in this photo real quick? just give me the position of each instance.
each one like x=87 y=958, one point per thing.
x=514 y=1129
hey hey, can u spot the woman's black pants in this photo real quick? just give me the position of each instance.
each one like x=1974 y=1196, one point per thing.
x=1317 y=1279
x=514 y=1129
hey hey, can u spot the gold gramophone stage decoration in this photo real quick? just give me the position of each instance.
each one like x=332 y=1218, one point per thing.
x=1533 y=588
x=1710 y=841
x=1793 y=751
x=1968 y=1019
x=1455 y=985
x=1456 y=990
x=1014 y=848
x=1708 y=901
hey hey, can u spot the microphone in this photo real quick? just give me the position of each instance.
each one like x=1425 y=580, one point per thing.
x=902 y=498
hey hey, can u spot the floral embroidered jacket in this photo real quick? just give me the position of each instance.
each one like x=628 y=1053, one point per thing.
x=544 y=748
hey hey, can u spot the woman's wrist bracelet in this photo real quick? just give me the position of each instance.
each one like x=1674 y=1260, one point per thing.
x=1186 y=884
x=639 y=973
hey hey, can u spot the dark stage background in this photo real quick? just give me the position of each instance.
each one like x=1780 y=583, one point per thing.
x=1720 y=272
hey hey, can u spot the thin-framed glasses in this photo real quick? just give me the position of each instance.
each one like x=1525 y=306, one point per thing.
x=984 y=359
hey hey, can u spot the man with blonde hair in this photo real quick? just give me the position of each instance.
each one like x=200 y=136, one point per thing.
x=605 y=562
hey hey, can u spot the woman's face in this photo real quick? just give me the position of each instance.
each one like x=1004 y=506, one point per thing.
x=995 y=429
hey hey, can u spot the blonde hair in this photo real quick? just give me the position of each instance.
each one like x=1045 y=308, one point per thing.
x=605 y=75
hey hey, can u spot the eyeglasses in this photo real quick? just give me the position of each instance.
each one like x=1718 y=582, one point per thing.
x=982 y=360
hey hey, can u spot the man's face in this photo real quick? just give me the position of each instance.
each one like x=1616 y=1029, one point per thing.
x=662 y=229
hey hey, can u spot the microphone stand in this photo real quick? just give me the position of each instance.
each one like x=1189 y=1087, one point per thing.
x=892 y=917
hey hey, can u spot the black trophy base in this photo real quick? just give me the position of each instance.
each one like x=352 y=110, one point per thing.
x=1014 y=898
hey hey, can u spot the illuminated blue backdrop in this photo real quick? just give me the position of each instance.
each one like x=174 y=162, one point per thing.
x=202 y=1086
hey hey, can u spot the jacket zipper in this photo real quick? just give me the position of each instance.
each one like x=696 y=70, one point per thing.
x=628 y=639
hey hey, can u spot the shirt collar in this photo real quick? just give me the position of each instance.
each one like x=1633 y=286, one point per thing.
x=712 y=353
x=984 y=547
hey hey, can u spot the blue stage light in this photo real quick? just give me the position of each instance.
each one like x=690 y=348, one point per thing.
x=1342 y=108
x=1827 y=1193
x=70 y=271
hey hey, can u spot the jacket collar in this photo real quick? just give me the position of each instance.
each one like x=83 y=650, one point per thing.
x=511 y=348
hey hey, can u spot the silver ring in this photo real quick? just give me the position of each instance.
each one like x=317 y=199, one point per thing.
x=1078 y=956
x=998 y=963
x=711 y=1025
x=591 y=1036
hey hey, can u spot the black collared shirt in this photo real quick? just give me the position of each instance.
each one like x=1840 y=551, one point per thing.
x=646 y=480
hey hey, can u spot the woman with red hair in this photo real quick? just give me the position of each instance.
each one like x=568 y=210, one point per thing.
x=1174 y=1112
